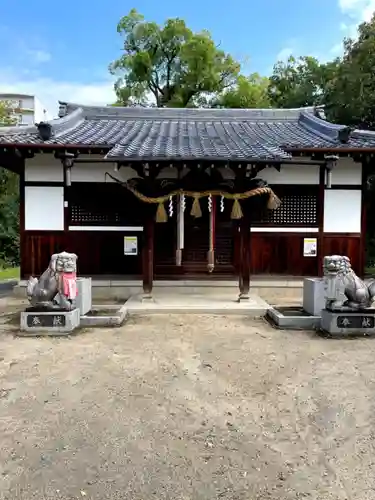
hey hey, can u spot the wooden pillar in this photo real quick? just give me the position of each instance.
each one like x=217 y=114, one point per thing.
x=25 y=257
x=67 y=191
x=320 y=220
x=244 y=255
x=148 y=257
x=366 y=169
x=211 y=237
x=180 y=229
x=67 y=162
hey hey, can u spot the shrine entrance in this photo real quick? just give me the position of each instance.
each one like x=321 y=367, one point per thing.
x=196 y=244
x=196 y=223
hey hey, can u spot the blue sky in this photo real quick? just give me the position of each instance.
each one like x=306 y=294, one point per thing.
x=62 y=50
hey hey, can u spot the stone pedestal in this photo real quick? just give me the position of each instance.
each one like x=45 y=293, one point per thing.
x=348 y=322
x=315 y=292
x=313 y=296
x=36 y=322
x=84 y=297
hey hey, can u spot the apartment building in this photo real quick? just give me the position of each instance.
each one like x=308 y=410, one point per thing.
x=26 y=108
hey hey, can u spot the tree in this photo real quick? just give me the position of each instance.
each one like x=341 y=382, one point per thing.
x=9 y=202
x=350 y=97
x=6 y=114
x=170 y=63
x=300 y=82
x=248 y=92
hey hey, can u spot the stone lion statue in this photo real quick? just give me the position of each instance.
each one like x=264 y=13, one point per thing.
x=340 y=278
x=57 y=286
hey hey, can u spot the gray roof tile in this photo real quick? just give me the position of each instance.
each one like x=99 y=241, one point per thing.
x=221 y=134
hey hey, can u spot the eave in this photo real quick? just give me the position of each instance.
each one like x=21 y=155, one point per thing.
x=186 y=135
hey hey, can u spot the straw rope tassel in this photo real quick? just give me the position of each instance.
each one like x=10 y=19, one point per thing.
x=273 y=201
x=161 y=214
x=196 y=210
x=236 y=210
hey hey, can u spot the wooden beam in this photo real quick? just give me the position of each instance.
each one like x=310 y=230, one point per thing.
x=148 y=257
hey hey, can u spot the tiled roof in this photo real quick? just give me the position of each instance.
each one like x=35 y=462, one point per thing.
x=217 y=134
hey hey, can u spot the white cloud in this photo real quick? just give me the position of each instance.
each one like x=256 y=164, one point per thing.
x=358 y=10
x=284 y=54
x=336 y=50
x=24 y=75
x=39 y=56
x=50 y=91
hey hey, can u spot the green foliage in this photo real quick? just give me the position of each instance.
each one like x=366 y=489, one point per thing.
x=9 y=218
x=248 y=92
x=6 y=114
x=10 y=273
x=170 y=62
x=300 y=82
x=350 y=96
x=9 y=203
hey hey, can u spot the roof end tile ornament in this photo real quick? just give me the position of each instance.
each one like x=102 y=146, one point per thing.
x=319 y=112
x=344 y=135
x=45 y=131
x=324 y=129
x=63 y=109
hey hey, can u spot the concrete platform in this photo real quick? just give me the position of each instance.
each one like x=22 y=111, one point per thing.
x=97 y=318
x=271 y=288
x=207 y=303
x=292 y=318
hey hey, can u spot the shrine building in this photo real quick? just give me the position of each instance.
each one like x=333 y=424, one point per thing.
x=156 y=194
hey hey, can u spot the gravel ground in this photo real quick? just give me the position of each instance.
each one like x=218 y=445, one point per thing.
x=186 y=408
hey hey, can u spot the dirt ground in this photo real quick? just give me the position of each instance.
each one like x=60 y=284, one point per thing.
x=187 y=408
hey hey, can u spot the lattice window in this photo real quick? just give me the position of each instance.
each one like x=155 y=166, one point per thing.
x=294 y=209
x=85 y=215
x=104 y=204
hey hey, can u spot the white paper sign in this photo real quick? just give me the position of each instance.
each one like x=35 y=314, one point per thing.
x=310 y=247
x=130 y=245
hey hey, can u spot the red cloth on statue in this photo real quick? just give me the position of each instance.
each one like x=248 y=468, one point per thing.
x=70 y=285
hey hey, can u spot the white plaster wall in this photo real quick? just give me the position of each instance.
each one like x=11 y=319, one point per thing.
x=291 y=174
x=46 y=168
x=95 y=172
x=44 y=208
x=342 y=211
x=347 y=172
x=25 y=119
x=40 y=112
x=28 y=102
x=43 y=168
x=172 y=173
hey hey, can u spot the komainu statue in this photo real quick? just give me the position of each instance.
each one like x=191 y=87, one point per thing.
x=57 y=286
x=340 y=279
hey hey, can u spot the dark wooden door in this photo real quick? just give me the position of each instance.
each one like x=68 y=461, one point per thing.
x=165 y=238
x=195 y=254
x=225 y=235
x=196 y=244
